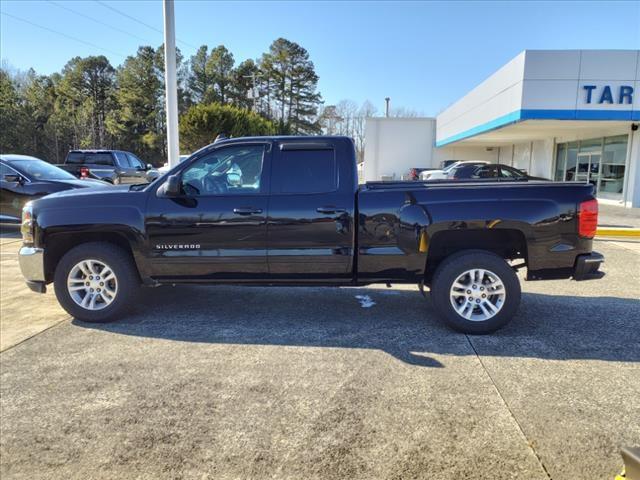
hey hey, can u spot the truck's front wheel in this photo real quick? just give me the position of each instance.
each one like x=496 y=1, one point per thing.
x=95 y=282
x=475 y=291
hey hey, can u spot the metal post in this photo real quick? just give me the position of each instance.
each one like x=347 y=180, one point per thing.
x=170 y=83
x=386 y=108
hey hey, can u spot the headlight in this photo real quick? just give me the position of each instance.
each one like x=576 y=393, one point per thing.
x=26 y=229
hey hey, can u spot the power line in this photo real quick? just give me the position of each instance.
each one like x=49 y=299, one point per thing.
x=97 y=21
x=63 y=34
x=126 y=15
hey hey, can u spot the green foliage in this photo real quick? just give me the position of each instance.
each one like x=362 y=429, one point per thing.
x=201 y=124
x=91 y=104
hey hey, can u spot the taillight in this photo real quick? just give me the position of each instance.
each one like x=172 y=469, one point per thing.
x=84 y=172
x=588 y=218
x=26 y=228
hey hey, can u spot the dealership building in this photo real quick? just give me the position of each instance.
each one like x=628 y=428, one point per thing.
x=560 y=114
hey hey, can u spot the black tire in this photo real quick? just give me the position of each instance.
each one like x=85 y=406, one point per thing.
x=125 y=272
x=453 y=267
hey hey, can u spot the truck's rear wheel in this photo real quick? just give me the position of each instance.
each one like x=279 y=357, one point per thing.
x=475 y=291
x=95 y=282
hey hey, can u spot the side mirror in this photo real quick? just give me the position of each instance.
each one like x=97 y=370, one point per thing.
x=172 y=187
x=13 y=178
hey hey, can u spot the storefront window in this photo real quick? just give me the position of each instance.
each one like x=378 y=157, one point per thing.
x=561 y=159
x=572 y=161
x=599 y=161
x=613 y=167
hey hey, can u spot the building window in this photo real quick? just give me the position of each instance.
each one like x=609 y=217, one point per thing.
x=599 y=161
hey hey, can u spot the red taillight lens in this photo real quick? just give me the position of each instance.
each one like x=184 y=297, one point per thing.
x=84 y=172
x=588 y=218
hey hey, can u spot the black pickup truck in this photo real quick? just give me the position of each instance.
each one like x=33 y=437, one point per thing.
x=113 y=166
x=289 y=211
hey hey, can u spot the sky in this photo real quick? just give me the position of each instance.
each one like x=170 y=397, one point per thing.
x=423 y=55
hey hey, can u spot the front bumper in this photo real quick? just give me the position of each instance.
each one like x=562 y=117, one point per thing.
x=587 y=266
x=31 y=261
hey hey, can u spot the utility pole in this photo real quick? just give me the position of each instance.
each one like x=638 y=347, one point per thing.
x=171 y=83
x=386 y=108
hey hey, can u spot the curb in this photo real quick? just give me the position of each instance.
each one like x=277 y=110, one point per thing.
x=618 y=232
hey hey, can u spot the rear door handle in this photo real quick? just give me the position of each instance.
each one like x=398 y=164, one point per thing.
x=330 y=210
x=246 y=210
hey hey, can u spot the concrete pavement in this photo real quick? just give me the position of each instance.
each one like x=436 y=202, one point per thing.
x=231 y=382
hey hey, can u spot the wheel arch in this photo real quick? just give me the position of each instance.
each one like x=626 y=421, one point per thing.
x=57 y=244
x=508 y=244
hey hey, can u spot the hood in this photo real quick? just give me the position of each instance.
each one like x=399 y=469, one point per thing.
x=84 y=183
x=104 y=189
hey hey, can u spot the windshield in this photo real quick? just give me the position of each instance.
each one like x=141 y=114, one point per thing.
x=41 y=170
x=451 y=167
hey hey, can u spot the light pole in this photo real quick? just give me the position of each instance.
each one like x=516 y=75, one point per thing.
x=254 y=95
x=386 y=107
x=171 y=83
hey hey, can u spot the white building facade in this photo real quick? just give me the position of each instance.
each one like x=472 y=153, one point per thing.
x=559 y=114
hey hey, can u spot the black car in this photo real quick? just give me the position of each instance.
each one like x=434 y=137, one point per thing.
x=24 y=178
x=113 y=166
x=488 y=170
x=289 y=211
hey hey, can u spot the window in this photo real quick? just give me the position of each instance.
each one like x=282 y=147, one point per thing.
x=488 y=171
x=123 y=161
x=75 y=158
x=305 y=171
x=41 y=170
x=4 y=170
x=233 y=170
x=508 y=172
x=599 y=161
x=99 y=158
x=135 y=161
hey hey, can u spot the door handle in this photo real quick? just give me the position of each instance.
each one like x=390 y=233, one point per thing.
x=246 y=210
x=330 y=210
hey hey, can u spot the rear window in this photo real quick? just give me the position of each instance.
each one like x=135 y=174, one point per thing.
x=305 y=171
x=75 y=158
x=99 y=158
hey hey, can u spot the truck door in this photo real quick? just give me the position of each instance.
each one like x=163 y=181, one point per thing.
x=216 y=229
x=311 y=209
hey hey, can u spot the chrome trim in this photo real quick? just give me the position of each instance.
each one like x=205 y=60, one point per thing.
x=31 y=261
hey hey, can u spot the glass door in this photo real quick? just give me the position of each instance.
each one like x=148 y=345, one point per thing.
x=588 y=168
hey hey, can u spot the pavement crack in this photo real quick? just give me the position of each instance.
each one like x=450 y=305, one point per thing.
x=11 y=347
x=504 y=401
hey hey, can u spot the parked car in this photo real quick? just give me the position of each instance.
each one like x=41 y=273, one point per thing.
x=489 y=170
x=113 y=166
x=289 y=211
x=444 y=173
x=24 y=178
x=414 y=173
x=445 y=163
x=165 y=168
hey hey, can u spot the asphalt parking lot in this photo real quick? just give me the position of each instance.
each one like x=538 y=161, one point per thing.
x=238 y=382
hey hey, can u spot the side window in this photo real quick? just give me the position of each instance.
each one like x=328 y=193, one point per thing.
x=135 y=161
x=490 y=171
x=4 y=170
x=75 y=158
x=510 y=173
x=305 y=171
x=122 y=159
x=235 y=170
x=99 y=158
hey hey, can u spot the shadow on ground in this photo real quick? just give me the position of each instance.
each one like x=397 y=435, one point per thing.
x=401 y=323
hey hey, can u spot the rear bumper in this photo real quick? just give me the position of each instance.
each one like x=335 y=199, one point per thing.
x=587 y=266
x=32 y=267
